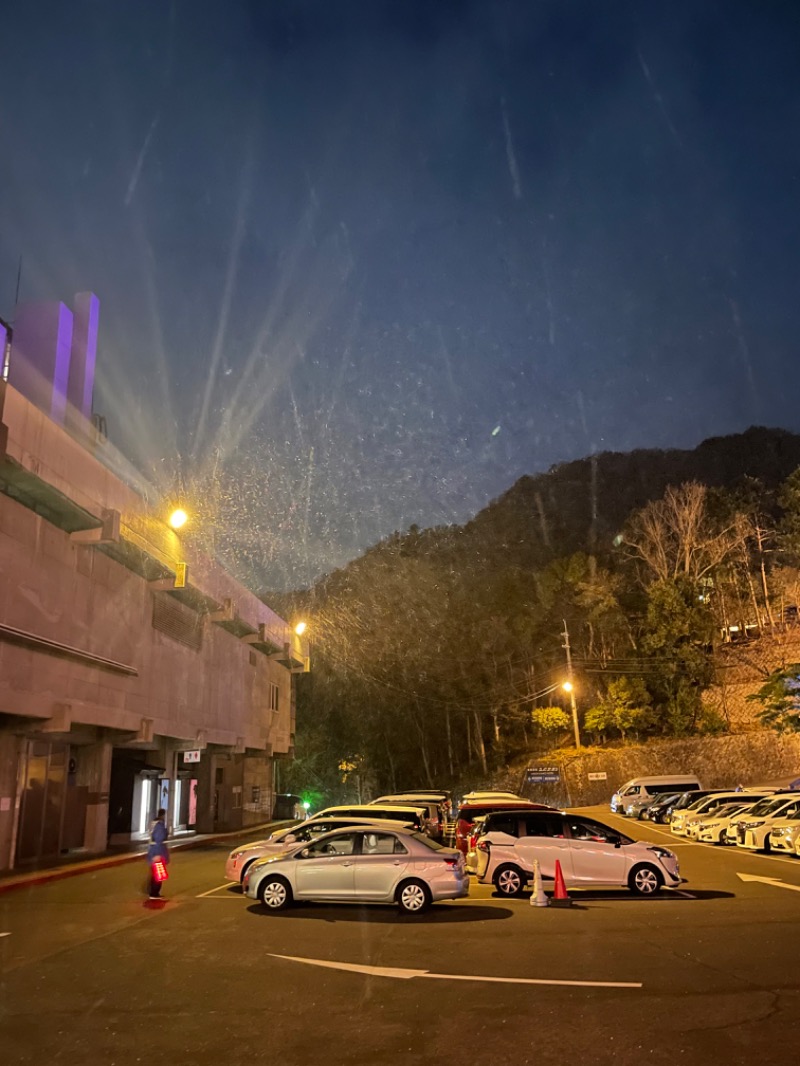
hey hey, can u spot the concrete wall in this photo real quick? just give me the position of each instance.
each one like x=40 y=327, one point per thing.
x=76 y=595
x=728 y=761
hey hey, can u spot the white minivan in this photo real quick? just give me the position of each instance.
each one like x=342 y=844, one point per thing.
x=640 y=787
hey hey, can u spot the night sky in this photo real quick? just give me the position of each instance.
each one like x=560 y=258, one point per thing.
x=364 y=263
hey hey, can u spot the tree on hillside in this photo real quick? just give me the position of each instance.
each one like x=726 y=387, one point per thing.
x=789 y=530
x=626 y=708
x=779 y=697
x=676 y=636
x=677 y=536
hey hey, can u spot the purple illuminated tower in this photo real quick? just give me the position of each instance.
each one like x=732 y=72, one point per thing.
x=53 y=357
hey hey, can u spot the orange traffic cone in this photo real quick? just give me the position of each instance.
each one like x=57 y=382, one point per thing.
x=560 y=897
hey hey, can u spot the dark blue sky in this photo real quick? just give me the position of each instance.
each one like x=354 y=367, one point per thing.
x=362 y=264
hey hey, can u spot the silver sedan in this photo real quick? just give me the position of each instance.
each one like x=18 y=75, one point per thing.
x=243 y=856
x=365 y=865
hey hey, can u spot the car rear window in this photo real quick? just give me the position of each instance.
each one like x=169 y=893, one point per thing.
x=501 y=823
x=543 y=825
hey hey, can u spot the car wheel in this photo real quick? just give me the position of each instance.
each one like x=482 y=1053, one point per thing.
x=722 y=838
x=509 y=881
x=645 y=881
x=275 y=893
x=413 y=897
x=767 y=845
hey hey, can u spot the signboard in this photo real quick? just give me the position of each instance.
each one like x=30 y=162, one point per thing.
x=597 y=777
x=191 y=756
x=542 y=775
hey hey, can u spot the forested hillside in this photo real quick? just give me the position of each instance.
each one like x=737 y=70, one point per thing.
x=440 y=653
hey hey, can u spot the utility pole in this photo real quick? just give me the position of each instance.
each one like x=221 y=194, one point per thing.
x=570 y=687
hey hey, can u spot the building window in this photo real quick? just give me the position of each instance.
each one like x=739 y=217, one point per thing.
x=237 y=798
x=273 y=696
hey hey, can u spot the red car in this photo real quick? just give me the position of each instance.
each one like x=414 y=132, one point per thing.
x=468 y=812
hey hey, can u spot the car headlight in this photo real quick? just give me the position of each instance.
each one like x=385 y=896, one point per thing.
x=753 y=825
x=663 y=853
x=712 y=825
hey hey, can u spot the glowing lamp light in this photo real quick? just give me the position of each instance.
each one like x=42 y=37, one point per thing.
x=178 y=518
x=567 y=686
x=300 y=628
x=306 y=806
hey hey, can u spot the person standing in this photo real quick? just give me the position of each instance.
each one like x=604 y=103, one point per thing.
x=158 y=850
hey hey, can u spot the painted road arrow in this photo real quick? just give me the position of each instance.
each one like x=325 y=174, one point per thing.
x=405 y=975
x=776 y=881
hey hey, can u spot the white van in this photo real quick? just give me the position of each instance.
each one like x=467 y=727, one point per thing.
x=641 y=787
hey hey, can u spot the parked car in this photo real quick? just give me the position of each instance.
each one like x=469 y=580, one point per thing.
x=404 y=814
x=704 y=805
x=472 y=844
x=713 y=828
x=785 y=836
x=436 y=815
x=764 y=807
x=364 y=865
x=638 y=808
x=479 y=797
x=661 y=812
x=590 y=853
x=639 y=787
x=717 y=817
x=243 y=856
x=468 y=812
x=445 y=796
x=754 y=832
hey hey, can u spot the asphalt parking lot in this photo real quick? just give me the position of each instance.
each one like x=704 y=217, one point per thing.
x=704 y=974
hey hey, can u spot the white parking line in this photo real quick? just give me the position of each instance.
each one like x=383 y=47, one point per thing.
x=219 y=888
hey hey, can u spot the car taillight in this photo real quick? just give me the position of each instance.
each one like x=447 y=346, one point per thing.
x=450 y=860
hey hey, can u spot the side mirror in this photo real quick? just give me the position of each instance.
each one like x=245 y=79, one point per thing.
x=615 y=840
x=305 y=853
x=290 y=838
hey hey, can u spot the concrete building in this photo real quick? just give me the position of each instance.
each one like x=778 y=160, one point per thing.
x=135 y=671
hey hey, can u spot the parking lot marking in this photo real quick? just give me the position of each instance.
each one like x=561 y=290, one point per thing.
x=5 y=934
x=219 y=888
x=774 y=881
x=405 y=975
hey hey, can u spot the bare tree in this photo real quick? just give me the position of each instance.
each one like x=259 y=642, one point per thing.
x=676 y=537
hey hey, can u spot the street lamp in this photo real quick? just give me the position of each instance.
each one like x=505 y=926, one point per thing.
x=300 y=628
x=178 y=518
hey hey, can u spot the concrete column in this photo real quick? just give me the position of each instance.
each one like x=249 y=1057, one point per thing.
x=94 y=771
x=10 y=750
x=205 y=793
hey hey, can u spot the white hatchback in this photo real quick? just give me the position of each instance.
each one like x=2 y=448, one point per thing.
x=590 y=853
